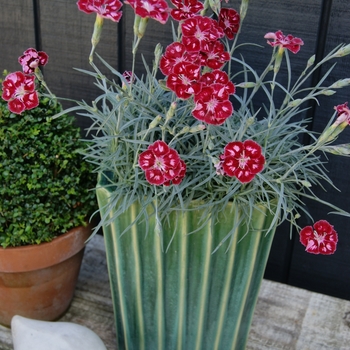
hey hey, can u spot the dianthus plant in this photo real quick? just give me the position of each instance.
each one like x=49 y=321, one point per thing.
x=190 y=128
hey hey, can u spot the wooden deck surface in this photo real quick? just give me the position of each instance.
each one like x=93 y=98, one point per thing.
x=285 y=318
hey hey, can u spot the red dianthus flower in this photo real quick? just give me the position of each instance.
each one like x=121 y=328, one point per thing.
x=212 y=102
x=185 y=9
x=184 y=80
x=319 y=239
x=108 y=9
x=215 y=56
x=19 y=91
x=343 y=113
x=229 y=21
x=32 y=59
x=198 y=31
x=289 y=42
x=155 y=9
x=162 y=164
x=174 y=54
x=242 y=160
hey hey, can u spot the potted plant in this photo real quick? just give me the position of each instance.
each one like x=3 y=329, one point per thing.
x=46 y=200
x=194 y=177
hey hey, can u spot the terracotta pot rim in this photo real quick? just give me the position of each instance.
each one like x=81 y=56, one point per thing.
x=59 y=249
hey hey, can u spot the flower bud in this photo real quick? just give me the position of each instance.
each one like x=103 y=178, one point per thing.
x=137 y=20
x=250 y=121
x=278 y=59
x=306 y=183
x=295 y=103
x=311 y=61
x=243 y=9
x=340 y=150
x=171 y=111
x=96 y=35
x=155 y=122
x=157 y=54
x=142 y=27
x=340 y=84
x=328 y=92
x=184 y=130
x=332 y=132
x=215 y=5
x=343 y=51
x=197 y=128
x=211 y=145
x=245 y=85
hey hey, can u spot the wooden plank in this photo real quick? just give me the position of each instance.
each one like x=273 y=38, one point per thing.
x=292 y=318
x=285 y=317
x=17 y=32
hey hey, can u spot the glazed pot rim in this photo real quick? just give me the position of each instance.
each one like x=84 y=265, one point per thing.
x=39 y=256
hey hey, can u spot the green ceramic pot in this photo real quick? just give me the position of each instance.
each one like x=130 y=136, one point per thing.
x=184 y=296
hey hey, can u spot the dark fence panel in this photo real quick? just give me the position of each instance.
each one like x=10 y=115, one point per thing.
x=58 y=28
x=330 y=275
x=17 y=31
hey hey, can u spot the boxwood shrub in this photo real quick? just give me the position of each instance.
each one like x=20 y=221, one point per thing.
x=46 y=187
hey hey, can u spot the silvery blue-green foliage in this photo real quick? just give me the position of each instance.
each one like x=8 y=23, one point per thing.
x=129 y=116
x=125 y=123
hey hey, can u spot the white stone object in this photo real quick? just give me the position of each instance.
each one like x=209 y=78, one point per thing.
x=28 y=334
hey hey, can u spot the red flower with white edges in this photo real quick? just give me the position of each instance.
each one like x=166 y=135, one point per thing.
x=289 y=42
x=108 y=9
x=160 y=163
x=176 y=53
x=212 y=105
x=128 y=76
x=218 y=77
x=155 y=9
x=216 y=56
x=178 y=179
x=197 y=31
x=185 y=9
x=184 y=80
x=319 y=239
x=32 y=59
x=242 y=160
x=19 y=90
x=343 y=113
x=229 y=21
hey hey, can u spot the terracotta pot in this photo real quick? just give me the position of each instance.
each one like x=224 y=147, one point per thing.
x=38 y=281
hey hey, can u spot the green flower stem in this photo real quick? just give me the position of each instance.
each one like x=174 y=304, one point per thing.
x=313 y=149
x=205 y=7
x=134 y=50
x=152 y=125
x=276 y=68
x=137 y=20
x=140 y=25
x=243 y=12
x=40 y=77
x=259 y=82
x=96 y=35
x=301 y=81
